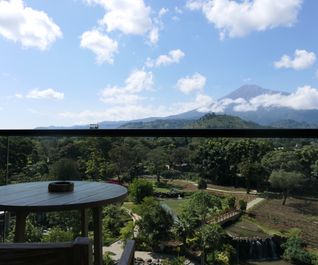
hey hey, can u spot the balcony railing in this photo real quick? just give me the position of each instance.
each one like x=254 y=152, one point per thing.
x=128 y=253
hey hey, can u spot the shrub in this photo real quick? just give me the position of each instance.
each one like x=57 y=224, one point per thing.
x=140 y=189
x=294 y=251
x=231 y=202
x=107 y=260
x=202 y=185
x=56 y=234
x=243 y=205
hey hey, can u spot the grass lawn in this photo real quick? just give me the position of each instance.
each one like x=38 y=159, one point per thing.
x=246 y=228
x=174 y=204
x=298 y=213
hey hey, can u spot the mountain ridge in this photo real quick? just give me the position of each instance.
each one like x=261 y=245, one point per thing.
x=265 y=116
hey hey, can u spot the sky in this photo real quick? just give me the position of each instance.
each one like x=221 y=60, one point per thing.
x=84 y=61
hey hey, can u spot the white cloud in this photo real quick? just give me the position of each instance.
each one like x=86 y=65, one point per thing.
x=118 y=96
x=201 y=103
x=154 y=35
x=178 y=10
x=102 y=45
x=116 y=113
x=18 y=95
x=221 y=105
x=129 y=17
x=134 y=111
x=239 y=18
x=191 y=83
x=45 y=94
x=32 y=28
x=174 y=56
x=137 y=82
x=302 y=60
x=304 y=98
x=163 y=11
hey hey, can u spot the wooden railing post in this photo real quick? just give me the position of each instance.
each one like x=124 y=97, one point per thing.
x=128 y=256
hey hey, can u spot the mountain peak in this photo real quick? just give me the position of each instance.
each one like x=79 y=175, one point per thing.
x=250 y=91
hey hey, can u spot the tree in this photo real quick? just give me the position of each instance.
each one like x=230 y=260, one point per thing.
x=114 y=219
x=202 y=185
x=65 y=169
x=282 y=159
x=155 y=222
x=201 y=205
x=123 y=158
x=157 y=161
x=285 y=181
x=212 y=162
x=185 y=226
x=253 y=172
x=140 y=189
x=209 y=237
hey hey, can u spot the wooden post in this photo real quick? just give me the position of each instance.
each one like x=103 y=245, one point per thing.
x=20 y=227
x=84 y=223
x=98 y=237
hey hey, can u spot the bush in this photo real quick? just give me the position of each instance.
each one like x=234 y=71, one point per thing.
x=107 y=260
x=231 y=202
x=56 y=234
x=243 y=205
x=202 y=185
x=172 y=173
x=294 y=251
x=140 y=189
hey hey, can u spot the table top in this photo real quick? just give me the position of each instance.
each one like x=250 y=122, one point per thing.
x=34 y=196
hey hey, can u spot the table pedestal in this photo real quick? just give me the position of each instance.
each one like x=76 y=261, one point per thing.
x=98 y=237
x=20 y=227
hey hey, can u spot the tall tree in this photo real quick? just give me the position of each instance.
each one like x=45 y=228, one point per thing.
x=209 y=238
x=286 y=181
x=155 y=223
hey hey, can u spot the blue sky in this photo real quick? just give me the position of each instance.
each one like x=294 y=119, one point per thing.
x=84 y=61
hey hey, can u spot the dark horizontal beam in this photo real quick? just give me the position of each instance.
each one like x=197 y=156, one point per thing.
x=227 y=133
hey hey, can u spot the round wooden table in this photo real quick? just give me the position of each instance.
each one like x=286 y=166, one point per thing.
x=29 y=197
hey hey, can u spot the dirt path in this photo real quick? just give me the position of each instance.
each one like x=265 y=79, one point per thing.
x=254 y=202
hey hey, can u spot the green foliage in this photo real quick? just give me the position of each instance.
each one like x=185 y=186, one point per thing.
x=209 y=239
x=66 y=220
x=127 y=232
x=155 y=222
x=221 y=258
x=157 y=160
x=65 y=169
x=202 y=204
x=286 y=181
x=107 y=259
x=294 y=251
x=114 y=219
x=253 y=172
x=175 y=261
x=231 y=202
x=202 y=185
x=282 y=160
x=140 y=189
x=56 y=234
x=242 y=205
